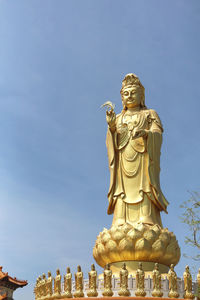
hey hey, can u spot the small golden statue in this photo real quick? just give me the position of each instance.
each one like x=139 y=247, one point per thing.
x=107 y=292
x=124 y=291
x=156 y=282
x=79 y=283
x=140 y=276
x=92 y=292
x=39 y=288
x=187 y=277
x=43 y=286
x=68 y=284
x=57 y=285
x=198 y=285
x=172 y=277
x=49 y=285
x=36 y=289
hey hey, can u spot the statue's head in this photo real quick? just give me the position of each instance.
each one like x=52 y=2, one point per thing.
x=172 y=267
x=40 y=278
x=107 y=267
x=187 y=268
x=140 y=265
x=49 y=274
x=132 y=92
x=68 y=269
x=124 y=266
x=156 y=266
x=43 y=276
x=57 y=272
x=79 y=268
x=93 y=267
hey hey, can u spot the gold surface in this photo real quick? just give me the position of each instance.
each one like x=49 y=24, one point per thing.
x=140 y=292
x=134 y=139
x=68 y=284
x=49 y=285
x=107 y=291
x=57 y=285
x=173 y=288
x=198 y=285
x=187 y=277
x=78 y=283
x=156 y=282
x=140 y=243
x=132 y=267
x=92 y=275
x=124 y=291
x=133 y=142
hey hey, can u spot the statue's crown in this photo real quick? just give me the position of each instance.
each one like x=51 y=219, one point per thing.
x=131 y=79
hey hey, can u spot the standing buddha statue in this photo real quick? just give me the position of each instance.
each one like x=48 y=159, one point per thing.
x=124 y=291
x=92 y=292
x=68 y=284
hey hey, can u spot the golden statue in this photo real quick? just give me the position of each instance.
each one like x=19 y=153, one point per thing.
x=124 y=291
x=57 y=284
x=43 y=286
x=79 y=283
x=68 y=284
x=107 y=274
x=198 y=285
x=92 y=292
x=140 y=276
x=156 y=282
x=187 y=277
x=134 y=139
x=172 y=277
x=36 y=289
x=39 y=287
x=49 y=285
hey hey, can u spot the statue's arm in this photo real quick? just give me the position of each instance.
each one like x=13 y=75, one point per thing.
x=156 y=125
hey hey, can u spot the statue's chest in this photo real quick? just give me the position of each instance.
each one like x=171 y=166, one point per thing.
x=135 y=121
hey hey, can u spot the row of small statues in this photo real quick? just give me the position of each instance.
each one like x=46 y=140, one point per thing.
x=44 y=286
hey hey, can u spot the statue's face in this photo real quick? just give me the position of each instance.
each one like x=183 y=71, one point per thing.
x=131 y=96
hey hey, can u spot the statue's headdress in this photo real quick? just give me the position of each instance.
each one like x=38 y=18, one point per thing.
x=130 y=80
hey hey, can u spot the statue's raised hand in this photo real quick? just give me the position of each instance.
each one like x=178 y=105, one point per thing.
x=110 y=118
x=110 y=114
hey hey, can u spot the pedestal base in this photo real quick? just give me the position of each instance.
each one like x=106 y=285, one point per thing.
x=132 y=266
x=139 y=243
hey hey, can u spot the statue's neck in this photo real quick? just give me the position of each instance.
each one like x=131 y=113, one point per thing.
x=132 y=110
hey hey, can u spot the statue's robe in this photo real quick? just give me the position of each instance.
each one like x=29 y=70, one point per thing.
x=134 y=169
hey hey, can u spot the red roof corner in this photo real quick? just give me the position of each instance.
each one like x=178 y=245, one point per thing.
x=13 y=281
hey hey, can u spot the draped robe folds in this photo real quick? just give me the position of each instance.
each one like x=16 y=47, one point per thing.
x=135 y=194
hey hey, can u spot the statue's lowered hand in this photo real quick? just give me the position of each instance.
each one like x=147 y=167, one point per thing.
x=139 y=133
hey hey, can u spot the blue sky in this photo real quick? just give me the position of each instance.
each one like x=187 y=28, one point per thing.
x=59 y=61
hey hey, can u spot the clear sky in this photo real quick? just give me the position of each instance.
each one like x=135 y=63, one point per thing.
x=59 y=61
